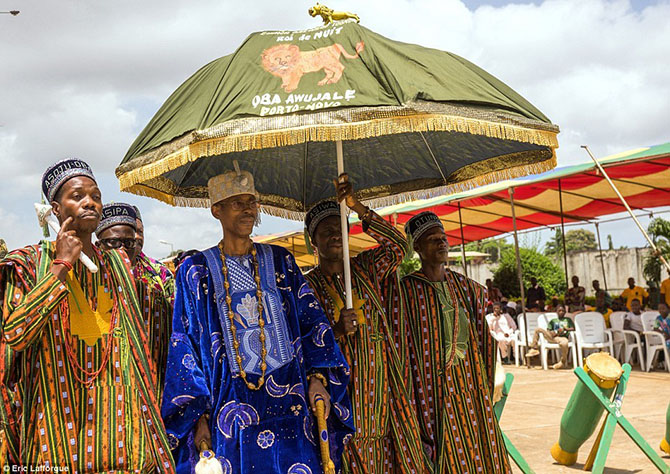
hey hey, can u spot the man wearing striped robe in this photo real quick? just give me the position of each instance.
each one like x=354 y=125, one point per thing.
x=80 y=370
x=453 y=358
x=155 y=291
x=372 y=337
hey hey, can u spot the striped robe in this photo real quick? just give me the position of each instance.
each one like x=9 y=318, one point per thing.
x=386 y=439
x=112 y=426
x=456 y=412
x=155 y=293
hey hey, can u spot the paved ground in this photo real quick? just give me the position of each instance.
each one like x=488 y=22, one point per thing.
x=536 y=402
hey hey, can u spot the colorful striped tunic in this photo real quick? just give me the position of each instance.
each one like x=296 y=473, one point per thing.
x=111 y=425
x=155 y=292
x=456 y=412
x=386 y=439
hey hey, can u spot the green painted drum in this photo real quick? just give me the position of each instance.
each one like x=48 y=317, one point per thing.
x=583 y=411
x=665 y=444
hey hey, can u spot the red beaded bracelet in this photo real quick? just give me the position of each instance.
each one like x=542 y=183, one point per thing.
x=65 y=263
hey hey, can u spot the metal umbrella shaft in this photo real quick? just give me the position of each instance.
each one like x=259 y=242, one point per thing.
x=345 y=231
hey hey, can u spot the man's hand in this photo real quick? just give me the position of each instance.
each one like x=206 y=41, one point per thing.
x=68 y=248
x=626 y=323
x=316 y=387
x=345 y=191
x=202 y=433
x=348 y=323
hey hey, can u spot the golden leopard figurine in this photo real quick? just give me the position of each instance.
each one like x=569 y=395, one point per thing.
x=329 y=15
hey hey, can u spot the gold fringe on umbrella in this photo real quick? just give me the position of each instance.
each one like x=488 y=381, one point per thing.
x=271 y=132
x=164 y=190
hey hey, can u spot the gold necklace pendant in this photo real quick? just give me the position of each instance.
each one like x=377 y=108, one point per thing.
x=231 y=318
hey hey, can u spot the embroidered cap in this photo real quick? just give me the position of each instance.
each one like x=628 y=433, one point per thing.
x=231 y=183
x=318 y=213
x=116 y=214
x=420 y=223
x=57 y=174
x=137 y=213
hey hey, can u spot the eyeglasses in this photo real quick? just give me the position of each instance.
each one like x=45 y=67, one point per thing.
x=117 y=243
x=243 y=205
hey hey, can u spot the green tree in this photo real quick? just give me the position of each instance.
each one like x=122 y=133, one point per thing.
x=533 y=264
x=576 y=240
x=493 y=247
x=659 y=231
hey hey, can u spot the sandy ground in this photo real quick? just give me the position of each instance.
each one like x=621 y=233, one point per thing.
x=536 y=402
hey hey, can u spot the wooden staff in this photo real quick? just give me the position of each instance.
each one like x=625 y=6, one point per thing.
x=326 y=462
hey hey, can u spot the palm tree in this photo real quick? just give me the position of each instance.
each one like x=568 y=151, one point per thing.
x=659 y=231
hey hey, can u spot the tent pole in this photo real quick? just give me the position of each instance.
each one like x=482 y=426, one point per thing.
x=519 y=270
x=344 y=217
x=565 y=252
x=602 y=260
x=621 y=198
x=460 y=221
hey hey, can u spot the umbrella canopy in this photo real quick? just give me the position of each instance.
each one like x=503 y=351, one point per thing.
x=642 y=175
x=413 y=121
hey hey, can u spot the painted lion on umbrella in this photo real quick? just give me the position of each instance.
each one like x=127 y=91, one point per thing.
x=290 y=64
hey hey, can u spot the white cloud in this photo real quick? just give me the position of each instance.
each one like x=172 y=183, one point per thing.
x=82 y=78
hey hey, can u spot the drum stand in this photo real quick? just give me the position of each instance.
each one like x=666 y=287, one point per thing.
x=511 y=449
x=600 y=449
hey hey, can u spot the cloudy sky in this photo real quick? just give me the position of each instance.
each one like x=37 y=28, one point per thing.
x=82 y=78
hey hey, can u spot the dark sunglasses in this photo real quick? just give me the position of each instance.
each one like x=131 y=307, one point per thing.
x=117 y=243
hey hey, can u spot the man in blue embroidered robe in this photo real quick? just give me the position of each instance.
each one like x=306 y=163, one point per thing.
x=216 y=362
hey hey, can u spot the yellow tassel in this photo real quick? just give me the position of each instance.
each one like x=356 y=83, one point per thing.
x=214 y=141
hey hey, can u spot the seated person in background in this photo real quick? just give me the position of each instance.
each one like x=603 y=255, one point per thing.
x=535 y=294
x=665 y=291
x=510 y=308
x=502 y=327
x=603 y=298
x=618 y=304
x=534 y=307
x=495 y=295
x=603 y=301
x=662 y=323
x=634 y=292
x=557 y=332
x=551 y=307
x=575 y=296
x=633 y=318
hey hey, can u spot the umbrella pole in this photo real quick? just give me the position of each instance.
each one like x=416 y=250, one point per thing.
x=518 y=262
x=345 y=231
x=460 y=220
x=623 y=201
x=602 y=261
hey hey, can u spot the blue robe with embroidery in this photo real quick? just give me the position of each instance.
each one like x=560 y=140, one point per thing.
x=270 y=430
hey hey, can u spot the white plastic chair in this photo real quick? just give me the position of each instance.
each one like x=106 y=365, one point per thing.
x=592 y=334
x=545 y=346
x=630 y=339
x=525 y=331
x=654 y=341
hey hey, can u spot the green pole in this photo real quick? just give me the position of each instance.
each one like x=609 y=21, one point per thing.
x=665 y=444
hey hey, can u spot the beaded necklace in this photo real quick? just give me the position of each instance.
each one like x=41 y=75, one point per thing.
x=231 y=317
x=89 y=376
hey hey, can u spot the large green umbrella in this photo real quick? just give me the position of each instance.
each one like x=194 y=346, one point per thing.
x=411 y=122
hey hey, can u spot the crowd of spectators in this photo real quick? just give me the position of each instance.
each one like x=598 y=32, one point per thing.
x=633 y=300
